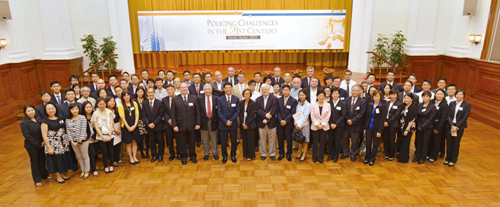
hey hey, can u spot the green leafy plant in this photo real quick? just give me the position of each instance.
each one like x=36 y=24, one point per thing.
x=90 y=49
x=381 y=49
x=108 y=47
x=397 y=53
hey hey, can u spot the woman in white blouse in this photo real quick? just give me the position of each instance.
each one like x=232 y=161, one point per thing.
x=103 y=124
x=320 y=116
x=302 y=123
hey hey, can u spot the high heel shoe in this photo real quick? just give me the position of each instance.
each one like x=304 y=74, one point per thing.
x=61 y=181
x=302 y=160
x=300 y=155
x=87 y=174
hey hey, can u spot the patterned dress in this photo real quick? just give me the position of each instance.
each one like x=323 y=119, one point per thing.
x=140 y=124
x=60 y=161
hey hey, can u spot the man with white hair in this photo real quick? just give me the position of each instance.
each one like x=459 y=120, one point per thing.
x=277 y=78
x=295 y=89
x=209 y=121
x=267 y=105
x=231 y=79
x=306 y=82
x=86 y=96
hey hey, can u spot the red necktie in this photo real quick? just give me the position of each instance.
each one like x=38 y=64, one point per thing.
x=197 y=90
x=185 y=101
x=209 y=108
x=352 y=105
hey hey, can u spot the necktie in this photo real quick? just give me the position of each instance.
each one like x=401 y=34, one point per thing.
x=95 y=87
x=348 y=89
x=198 y=89
x=185 y=101
x=209 y=108
x=58 y=99
x=257 y=88
x=228 y=101
x=352 y=104
x=151 y=104
x=286 y=100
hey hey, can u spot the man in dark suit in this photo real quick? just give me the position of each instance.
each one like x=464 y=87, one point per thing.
x=356 y=107
x=228 y=109
x=231 y=79
x=196 y=88
x=218 y=84
x=337 y=122
x=413 y=79
x=40 y=109
x=307 y=80
x=336 y=84
x=113 y=82
x=209 y=122
x=70 y=99
x=390 y=80
x=57 y=96
x=407 y=89
x=93 y=86
x=100 y=85
x=267 y=122
x=313 y=90
x=169 y=80
x=257 y=77
x=125 y=86
x=277 y=78
x=134 y=83
x=286 y=108
x=153 y=113
x=167 y=121
x=185 y=115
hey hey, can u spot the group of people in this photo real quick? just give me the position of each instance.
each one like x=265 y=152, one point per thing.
x=137 y=113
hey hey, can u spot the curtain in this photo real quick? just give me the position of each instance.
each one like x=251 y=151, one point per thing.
x=323 y=58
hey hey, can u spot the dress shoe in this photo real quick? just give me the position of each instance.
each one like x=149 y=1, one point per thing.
x=344 y=156
x=205 y=157
x=273 y=157
x=172 y=157
x=224 y=160
x=289 y=158
x=335 y=160
x=143 y=156
x=160 y=159
x=280 y=157
x=421 y=162
x=365 y=162
x=353 y=158
x=441 y=155
x=178 y=157
x=256 y=149
x=321 y=161
x=330 y=158
x=263 y=157
x=300 y=155
x=372 y=163
x=315 y=160
x=154 y=159
x=147 y=155
x=194 y=160
x=415 y=160
x=184 y=162
x=216 y=157
x=233 y=159
x=198 y=144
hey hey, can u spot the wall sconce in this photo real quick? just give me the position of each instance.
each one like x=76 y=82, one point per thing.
x=3 y=43
x=475 y=38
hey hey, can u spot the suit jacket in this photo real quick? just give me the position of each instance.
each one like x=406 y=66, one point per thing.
x=338 y=113
x=215 y=90
x=462 y=115
x=417 y=89
x=227 y=80
x=186 y=117
x=237 y=92
x=280 y=80
x=379 y=119
x=92 y=87
x=260 y=86
x=271 y=107
x=64 y=109
x=251 y=114
x=394 y=86
x=401 y=98
x=153 y=115
x=285 y=113
x=425 y=118
x=228 y=113
x=203 y=112
x=110 y=91
x=308 y=93
x=356 y=115
x=32 y=133
x=394 y=113
x=165 y=83
x=343 y=93
x=323 y=118
x=192 y=89
x=442 y=113
x=40 y=111
x=54 y=100
x=305 y=83
x=167 y=111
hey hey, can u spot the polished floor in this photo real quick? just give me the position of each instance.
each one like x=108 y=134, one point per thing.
x=474 y=181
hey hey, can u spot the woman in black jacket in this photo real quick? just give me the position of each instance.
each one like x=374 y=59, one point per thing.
x=442 y=111
x=374 y=126
x=459 y=113
x=33 y=142
x=394 y=108
x=426 y=113
x=248 y=125
x=406 y=127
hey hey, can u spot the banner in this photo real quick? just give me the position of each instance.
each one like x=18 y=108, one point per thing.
x=241 y=30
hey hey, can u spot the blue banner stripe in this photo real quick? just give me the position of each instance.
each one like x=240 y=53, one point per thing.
x=294 y=14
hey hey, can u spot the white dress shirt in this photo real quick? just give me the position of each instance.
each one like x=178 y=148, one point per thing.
x=313 y=94
x=449 y=100
x=343 y=85
x=456 y=111
x=419 y=94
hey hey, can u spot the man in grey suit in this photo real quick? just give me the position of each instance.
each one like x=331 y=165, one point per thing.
x=218 y=85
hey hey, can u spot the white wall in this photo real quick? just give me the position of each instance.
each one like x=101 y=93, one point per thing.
x=389 y=16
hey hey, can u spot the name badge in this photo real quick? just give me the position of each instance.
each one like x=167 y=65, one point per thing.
x=201 y=92
x=245 y=113
x=61 y=121
x=342 y=98
x=394 y=107
x=132 y=108
x=233 y=105
x=190 y=104
x=377 y=111
x=423 y=110
x=460 y=108
x=288 y=107
x=339 y=108
x=437 y=107
x=406 y=110
x=357 y=108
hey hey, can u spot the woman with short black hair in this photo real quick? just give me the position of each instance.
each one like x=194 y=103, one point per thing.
x=459 y=113
x=426 y=113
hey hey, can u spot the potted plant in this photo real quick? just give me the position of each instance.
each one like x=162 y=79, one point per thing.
x=381 y=49
x=204 y=72
x=397 y=53
x=90 y=49
x=296 y=73
x=328 y=72
x=108 y=47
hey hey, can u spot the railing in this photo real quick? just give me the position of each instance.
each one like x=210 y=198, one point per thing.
x=395 y=69
x=98 y=67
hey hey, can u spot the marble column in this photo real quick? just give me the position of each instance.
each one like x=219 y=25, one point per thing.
x=421 y=27
x=360 y=35
x=120 y=30
x=16 y=30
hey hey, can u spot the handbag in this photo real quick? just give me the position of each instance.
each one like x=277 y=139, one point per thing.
x=298 y=136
